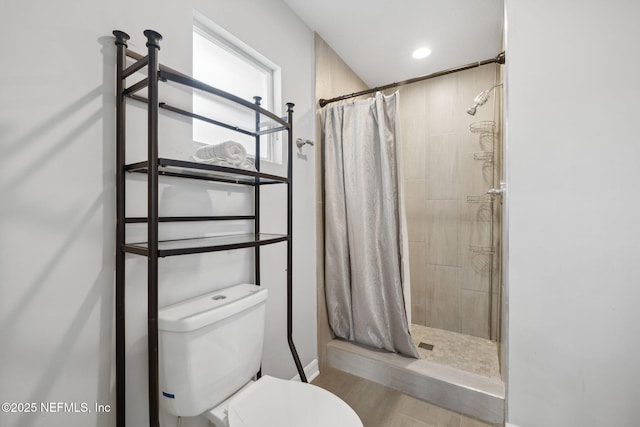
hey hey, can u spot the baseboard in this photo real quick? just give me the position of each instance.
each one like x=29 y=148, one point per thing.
x=311 y=371
x=510 y=425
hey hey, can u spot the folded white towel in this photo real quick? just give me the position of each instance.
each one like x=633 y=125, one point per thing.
x=229 y=153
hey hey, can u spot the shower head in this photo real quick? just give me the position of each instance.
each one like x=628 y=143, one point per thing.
x=480 y=99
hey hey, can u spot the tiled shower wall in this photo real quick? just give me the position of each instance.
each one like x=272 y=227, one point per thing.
x=447 y=171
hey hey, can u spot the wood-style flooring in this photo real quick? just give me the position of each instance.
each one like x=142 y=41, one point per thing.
x=380 y=406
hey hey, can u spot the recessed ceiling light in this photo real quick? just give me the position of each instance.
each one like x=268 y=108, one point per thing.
x=421 y=52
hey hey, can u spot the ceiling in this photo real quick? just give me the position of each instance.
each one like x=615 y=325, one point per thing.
x=376 y=37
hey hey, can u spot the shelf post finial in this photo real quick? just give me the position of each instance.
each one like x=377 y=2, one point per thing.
x=121 y=37
x=153 y=38
x=290 y=106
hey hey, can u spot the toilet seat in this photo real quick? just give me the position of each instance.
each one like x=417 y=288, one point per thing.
x=272 y=402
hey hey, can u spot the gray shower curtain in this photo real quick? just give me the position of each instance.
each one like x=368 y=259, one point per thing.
x=366 y=249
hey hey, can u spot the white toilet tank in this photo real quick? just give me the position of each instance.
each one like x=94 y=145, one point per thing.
x=209 y=347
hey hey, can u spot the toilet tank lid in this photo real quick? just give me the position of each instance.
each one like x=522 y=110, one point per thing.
x=203 y=310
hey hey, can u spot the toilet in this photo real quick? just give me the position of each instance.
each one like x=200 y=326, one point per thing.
x=210 y=349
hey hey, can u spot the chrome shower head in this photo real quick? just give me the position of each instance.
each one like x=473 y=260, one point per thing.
x=480 y=99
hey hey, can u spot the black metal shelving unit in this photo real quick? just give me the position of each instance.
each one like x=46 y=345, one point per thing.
x=155 y=167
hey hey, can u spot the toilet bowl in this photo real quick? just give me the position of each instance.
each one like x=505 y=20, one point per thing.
x=273 y=402
x=210 y=348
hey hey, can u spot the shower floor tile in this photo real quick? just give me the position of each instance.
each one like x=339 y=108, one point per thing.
x=464 y=352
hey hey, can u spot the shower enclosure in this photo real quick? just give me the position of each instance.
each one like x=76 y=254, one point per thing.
x=452 y=165
x=452 y=180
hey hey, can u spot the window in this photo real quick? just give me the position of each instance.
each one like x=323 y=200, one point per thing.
x=222 y=61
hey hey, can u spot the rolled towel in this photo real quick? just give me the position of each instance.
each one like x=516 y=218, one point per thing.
x=248 y=165
x=229 y=153
x=217 y=161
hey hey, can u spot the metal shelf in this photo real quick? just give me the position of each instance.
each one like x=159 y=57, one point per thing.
x=206 y=244
x=266 y=122
x=203 y=171
x=167 y=74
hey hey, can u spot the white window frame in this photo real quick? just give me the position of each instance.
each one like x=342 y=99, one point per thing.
x=218 y=35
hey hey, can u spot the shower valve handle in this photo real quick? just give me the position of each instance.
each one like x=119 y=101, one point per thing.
x=497 y=191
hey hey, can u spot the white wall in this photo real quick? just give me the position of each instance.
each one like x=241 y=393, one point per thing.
x=574 y=248
x=57 y=225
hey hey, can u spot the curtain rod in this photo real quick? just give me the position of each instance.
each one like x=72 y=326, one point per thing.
x=499 y=59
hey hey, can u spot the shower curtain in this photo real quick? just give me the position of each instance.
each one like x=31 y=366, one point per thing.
x=366 y=248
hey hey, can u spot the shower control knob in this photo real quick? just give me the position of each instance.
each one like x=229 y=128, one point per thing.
x=497 y=191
